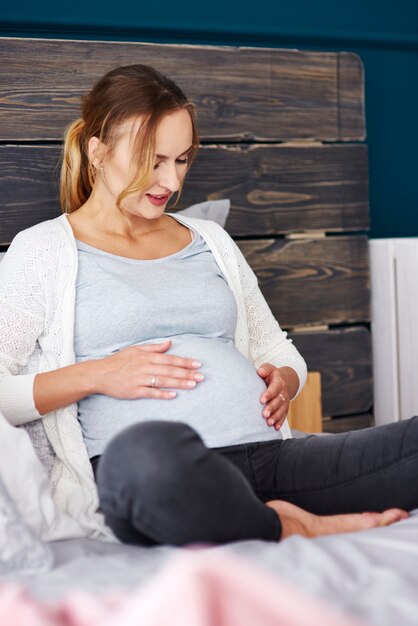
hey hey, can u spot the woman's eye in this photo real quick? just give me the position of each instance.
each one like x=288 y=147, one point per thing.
x=179 y=161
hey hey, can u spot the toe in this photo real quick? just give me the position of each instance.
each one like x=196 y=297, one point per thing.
x=390 y=516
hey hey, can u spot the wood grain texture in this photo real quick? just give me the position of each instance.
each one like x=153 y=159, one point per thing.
x=252 y=99
x=343 y=358
x=29 y=183
x=278 y=189
x=273 y=189
x=350 y=72
x=305 y=411
x=345 y=424
x=241 y=93
x=313 y=281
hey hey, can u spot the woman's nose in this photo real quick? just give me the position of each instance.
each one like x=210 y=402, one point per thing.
x=169 y=177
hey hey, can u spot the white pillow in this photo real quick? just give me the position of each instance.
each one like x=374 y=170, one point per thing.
x=27 y=482
x=20 y=550
x=215 y=210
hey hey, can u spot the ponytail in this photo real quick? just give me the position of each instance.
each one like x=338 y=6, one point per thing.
x=77 y=174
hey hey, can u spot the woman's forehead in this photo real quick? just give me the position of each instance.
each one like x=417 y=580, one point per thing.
x=173 y=130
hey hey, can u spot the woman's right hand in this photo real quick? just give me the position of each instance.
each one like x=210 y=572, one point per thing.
x=144 y=372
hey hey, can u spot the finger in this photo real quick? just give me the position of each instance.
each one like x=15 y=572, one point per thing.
x=154 y=347
x=262 y=372
x=272 y=407
x=167 y=382
x=279 y=424
x=168 y=371
x=266 y=368
x=272 y=391
x=172 y=360
x=278 y=417
x=154 y=393
x=278 y=401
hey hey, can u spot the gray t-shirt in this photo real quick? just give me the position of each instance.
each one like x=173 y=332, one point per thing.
x=184 y=297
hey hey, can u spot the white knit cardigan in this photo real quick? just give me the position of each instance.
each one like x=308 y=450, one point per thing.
x=37 y=299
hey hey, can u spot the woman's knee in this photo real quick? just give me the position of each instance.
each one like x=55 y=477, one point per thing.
x=146 y=457
x=149 y=441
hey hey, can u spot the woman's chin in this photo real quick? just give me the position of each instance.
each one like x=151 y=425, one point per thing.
x=149 y=212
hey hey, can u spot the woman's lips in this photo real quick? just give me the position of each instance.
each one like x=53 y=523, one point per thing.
x=157 y=200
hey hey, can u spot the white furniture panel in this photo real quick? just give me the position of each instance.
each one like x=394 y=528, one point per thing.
x=394 y=309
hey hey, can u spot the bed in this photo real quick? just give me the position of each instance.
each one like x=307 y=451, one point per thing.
x=283 y=140
x=368 y=577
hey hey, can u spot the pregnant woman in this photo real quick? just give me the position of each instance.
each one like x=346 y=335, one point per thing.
x=142 y=341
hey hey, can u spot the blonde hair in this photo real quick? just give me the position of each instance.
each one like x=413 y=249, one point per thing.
x=121 y=94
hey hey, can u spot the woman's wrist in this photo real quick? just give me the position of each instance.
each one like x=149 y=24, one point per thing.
x=58 y=388
x=91 y=375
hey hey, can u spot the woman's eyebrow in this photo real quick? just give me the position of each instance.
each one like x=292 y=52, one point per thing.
x=162 y=156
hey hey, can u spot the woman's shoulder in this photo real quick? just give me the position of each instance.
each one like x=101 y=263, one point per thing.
x=41 y=244
x=43 y=234
x=36 y=254
x=40 y=229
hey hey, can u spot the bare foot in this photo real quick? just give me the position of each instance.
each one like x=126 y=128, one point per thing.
x=297 y=521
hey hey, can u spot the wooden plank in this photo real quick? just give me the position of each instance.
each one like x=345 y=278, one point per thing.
x=241 y=93
x=273 y=189
x=305 y=413
x=345 y=424
x=283 y=188
x=313 y=281
x=351 y=86
x=343 y=358
x=29 y=187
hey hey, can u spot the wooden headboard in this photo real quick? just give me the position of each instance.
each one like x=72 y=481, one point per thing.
x=282 y=134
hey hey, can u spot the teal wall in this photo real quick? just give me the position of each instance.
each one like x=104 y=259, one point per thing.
x=383 y=34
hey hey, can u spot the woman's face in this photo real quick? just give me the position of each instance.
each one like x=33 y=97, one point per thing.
x=174 y=138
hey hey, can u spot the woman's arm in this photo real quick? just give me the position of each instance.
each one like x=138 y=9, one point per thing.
x=61 y=387
x=136 y=372
x=22 y=314
x=277 y=360
x=268 y=343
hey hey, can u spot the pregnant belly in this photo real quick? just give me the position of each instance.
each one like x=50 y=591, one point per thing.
x=224 y=409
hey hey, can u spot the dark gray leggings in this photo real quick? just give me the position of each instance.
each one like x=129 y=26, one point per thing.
x=159 y=484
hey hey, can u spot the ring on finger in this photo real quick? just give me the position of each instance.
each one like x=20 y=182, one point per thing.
x=282 y=397
x=153 y=379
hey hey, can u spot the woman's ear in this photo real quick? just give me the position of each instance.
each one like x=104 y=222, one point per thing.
x=95 y=151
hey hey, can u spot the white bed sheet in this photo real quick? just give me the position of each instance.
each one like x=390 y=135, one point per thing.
x=372 y=575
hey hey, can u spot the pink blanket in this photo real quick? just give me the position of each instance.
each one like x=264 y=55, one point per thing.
x=197 y=588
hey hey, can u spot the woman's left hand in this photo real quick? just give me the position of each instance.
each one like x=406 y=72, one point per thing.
x=278 y=394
